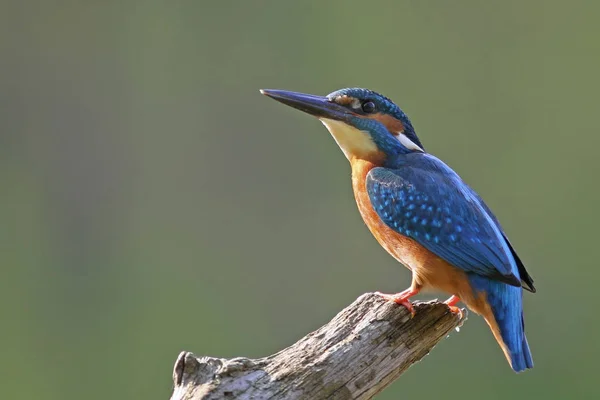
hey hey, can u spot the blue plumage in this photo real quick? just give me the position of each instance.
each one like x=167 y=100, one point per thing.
x=507 y=305
x=426 y=201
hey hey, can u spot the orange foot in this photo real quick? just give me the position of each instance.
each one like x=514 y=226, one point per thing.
x=451 y=303
x=402 y=298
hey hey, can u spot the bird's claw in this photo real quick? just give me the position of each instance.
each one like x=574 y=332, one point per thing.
x=451 y=303
x=399 y=299
x=456 y=311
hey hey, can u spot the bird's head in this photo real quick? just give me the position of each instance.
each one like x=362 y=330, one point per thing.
x=365 y=124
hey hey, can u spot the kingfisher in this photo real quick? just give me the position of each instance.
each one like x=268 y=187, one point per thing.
x=424 y=215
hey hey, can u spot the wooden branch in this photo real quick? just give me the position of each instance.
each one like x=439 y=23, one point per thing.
x=354 y=356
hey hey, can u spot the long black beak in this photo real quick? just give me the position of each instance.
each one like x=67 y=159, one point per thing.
x=319 y=106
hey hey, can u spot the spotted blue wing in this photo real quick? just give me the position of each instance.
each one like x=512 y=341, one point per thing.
x=445 y=216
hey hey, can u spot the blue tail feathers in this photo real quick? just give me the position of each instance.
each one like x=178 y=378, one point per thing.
x=506 y=302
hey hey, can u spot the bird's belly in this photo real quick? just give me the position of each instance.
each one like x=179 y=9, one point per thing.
x=429 y=270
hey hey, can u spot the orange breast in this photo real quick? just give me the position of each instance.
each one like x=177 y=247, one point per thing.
x=428 y=269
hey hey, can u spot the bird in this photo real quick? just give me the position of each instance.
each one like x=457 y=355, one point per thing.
x=424 y=215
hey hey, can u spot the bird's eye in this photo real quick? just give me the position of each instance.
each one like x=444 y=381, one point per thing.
x=368 y=107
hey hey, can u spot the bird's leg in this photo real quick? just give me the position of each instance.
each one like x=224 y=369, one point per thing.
x=403 y=297
x=451 y=303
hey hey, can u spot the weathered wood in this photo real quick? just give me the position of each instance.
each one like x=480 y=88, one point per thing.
x=354 y=356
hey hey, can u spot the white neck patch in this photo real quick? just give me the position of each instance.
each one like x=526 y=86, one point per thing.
x=406 y=142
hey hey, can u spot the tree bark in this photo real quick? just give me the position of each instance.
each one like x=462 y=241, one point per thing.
x=356 y=355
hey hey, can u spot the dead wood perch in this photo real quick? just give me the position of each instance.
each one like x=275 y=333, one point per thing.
x=354 y=356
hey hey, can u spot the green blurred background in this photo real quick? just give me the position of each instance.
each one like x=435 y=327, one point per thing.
x=153 y=201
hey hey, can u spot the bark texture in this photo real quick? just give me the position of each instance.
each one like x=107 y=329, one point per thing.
x=356 y=355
